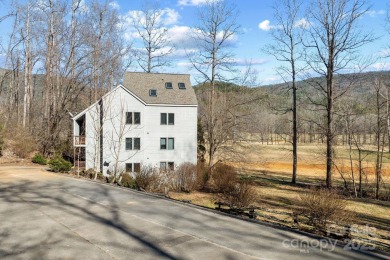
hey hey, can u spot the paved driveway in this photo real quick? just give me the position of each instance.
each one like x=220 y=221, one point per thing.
x=45 y=216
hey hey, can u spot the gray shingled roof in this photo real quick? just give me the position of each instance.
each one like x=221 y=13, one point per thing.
x=140 y=83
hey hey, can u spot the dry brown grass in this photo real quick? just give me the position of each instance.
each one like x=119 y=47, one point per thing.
x=270 y=166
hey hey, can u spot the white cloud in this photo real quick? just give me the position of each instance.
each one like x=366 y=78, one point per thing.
x=194 y=2
x=302 y=23
x=384 y=53
x=114 y=5
x=375 y=13
x=265 y=25
x=167 y=16
x=246 y=62
x=170 y=16
x=181 y=37
x=380 y=66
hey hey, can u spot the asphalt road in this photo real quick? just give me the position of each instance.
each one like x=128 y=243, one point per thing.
x=48 y=216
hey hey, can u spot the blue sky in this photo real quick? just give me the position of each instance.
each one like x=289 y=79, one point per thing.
x=181 y=17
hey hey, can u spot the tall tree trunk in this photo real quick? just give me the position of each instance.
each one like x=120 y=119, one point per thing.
x=27 y=72
x=329 y=130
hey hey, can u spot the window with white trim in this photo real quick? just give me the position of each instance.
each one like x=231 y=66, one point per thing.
x=133 y=118
x=133 y=143
x=167 y=118
x=167 y=143
x=167 y=166
x=133 y=167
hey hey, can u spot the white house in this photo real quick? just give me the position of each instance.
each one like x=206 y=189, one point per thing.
x=150 y=119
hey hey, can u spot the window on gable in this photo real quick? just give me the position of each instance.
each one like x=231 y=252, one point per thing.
x=129 y=167
x=133 y=118
x=163 y=118
x=163 y=143
x=133 y=167
x=129 y=118
x=137 y=167
x=133 y=144
x=168 y=85
x=153 y=92
x=137 y=118
x=129 y=144
x=137 y=143
x=181 y=85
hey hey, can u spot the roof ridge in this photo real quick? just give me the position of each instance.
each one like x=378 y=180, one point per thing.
x=158 y=73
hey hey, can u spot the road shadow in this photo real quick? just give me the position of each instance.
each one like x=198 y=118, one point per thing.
x=48 y=196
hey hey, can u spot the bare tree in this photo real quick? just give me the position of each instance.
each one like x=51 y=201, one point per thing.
x=28 y=67
x=156 y=45
x=287 y=37
x=334 y=38
x=217 y=28
x=380 y=132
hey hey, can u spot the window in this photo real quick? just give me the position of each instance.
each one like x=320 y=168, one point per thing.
x=163 y=166
x=133 y=143
x=133 y=118
x=129 y=167
x=153 y=92
x=181 y=85
x=163 y=119
x=137 y=118
x=137 y=167
x=137 y=143
x=171 y=166
x=129 y=144
x=129 y=118
x=171 y=119
x=168 y=85
x=167 y=118
x=171 y=143
x=163 y=143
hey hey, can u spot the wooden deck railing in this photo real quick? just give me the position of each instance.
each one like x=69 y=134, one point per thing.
x=79 y=140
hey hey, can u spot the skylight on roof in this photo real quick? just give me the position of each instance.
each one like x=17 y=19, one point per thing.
x=168 y=85
x=153 y=92
x=182 y=85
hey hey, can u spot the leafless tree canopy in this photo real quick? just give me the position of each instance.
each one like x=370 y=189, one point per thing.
x=154 y=35
x=334 y=38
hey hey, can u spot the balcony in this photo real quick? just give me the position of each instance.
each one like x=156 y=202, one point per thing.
x=79 y=140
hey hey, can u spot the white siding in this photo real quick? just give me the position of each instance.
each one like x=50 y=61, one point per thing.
x=150 y=131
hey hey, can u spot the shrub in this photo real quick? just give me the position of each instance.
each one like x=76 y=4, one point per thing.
x=186 y=177
x=203 y=175
x=224 y=178
x=60 y=165
x=147 y=178
x=21 y=142
x=90 y=173
x=321 y=206
x=128 y=181
x=240 y=196
x=39 y=159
